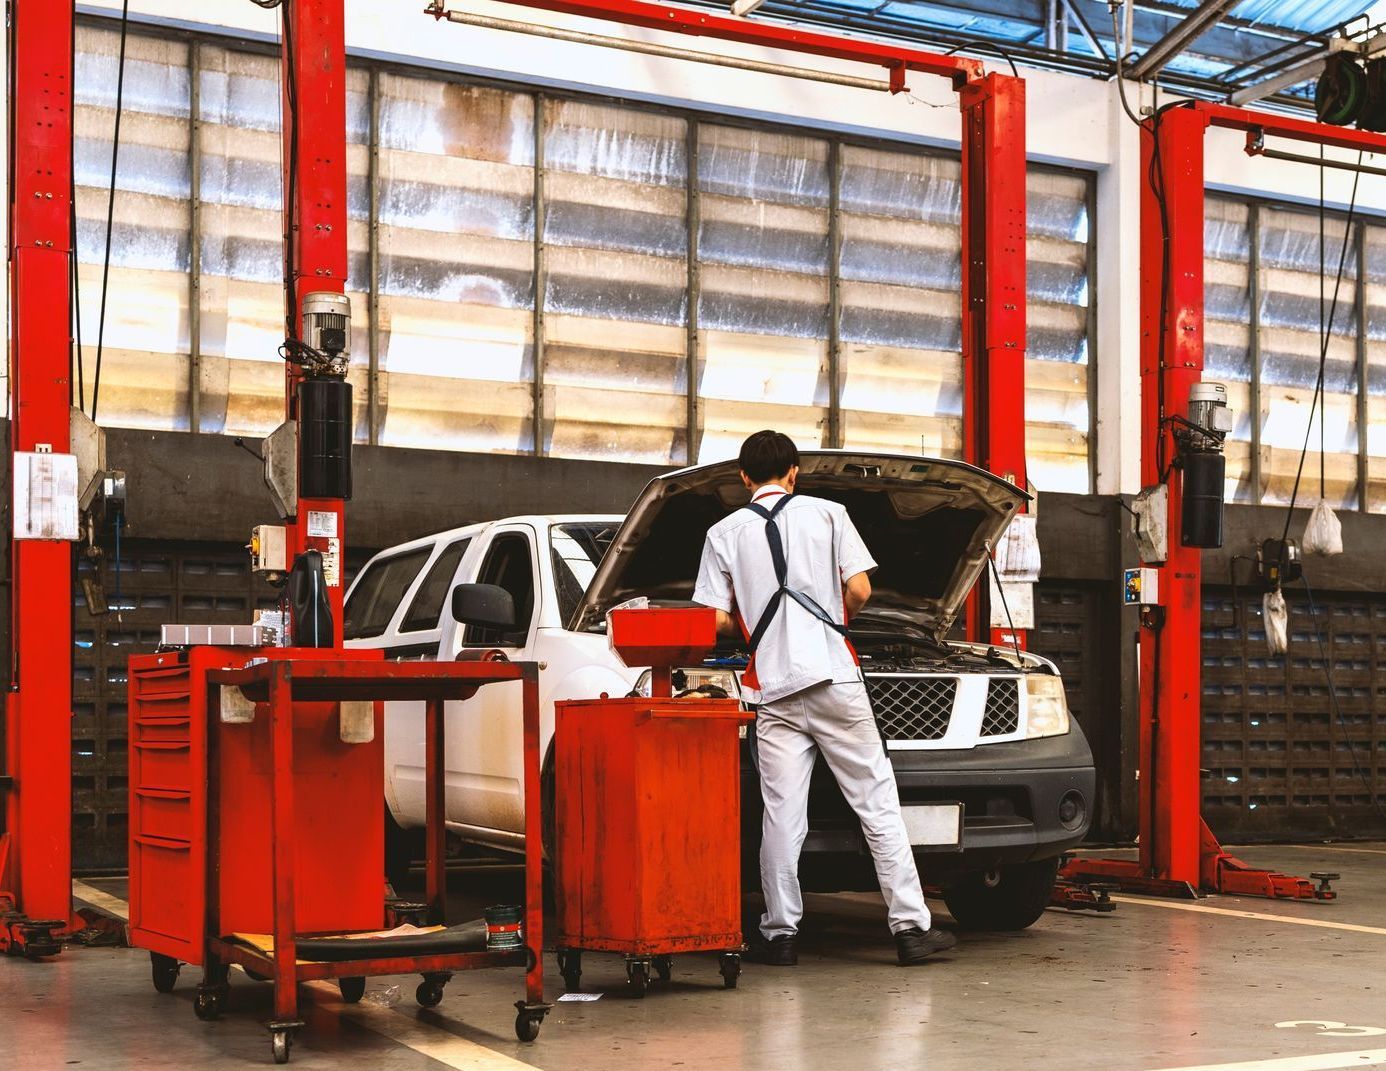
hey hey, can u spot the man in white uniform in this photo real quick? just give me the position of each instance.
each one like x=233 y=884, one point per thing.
x=788 y=572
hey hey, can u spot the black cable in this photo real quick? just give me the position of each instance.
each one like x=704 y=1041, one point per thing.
x=1323 y=363
x=110 y=208
x=1120 y=64
x=1323 y=324
x=73 y=257
x=291 y=331
x=975 y=42
x=1333 y=699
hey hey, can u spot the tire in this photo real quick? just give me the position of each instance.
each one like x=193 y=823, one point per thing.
x=1010 y=898
x=527 y=1026
x=402 y=847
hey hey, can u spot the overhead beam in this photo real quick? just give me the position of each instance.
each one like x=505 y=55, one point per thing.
x=1180 y=37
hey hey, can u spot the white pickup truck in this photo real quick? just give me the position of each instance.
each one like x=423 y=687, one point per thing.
x=964 y=724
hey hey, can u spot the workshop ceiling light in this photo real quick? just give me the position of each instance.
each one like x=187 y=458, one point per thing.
x=745 y=7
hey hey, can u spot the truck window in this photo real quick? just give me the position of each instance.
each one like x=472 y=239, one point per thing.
x=377 y=594
x=577 y=549
x=427 y=606
x=509 y=564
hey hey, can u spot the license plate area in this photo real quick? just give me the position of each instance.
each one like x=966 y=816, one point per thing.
x=934 y=825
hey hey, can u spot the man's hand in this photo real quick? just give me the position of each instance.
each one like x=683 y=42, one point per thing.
x=856 y=593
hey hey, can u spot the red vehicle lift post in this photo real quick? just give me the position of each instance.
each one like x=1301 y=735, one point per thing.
x=313 y=64
x=36 y=847
x=1179 y=855
x=993 y=213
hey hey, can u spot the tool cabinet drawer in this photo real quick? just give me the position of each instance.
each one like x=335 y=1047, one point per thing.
x=162 y=764
x=163 y=813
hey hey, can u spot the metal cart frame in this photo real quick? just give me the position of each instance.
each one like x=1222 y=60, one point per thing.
x=281 y=683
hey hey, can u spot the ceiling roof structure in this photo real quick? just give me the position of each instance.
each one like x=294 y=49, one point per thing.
x=1235 y=50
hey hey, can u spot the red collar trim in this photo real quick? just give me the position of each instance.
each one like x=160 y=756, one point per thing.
x=768 y=493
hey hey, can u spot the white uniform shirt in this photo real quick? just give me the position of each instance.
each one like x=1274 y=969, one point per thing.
x=822 y=549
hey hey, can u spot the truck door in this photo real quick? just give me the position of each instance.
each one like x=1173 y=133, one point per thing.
x=485 y=745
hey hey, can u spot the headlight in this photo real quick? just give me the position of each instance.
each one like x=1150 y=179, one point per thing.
x=1047 y=708
x=690 y=679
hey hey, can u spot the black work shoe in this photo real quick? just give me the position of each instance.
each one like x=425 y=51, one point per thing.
x=781 y=951
x=915 y=945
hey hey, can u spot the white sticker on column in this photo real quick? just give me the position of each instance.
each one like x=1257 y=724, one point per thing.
x=322 y=523
x=45 y=496
x=332 y=563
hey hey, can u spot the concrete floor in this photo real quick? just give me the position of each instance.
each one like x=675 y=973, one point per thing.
x=1153 y=986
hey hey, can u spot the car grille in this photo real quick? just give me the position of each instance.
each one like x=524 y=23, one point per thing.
x=912 y=708
x=1002 y=714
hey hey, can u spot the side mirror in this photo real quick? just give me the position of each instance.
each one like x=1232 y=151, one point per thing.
x=484 y=606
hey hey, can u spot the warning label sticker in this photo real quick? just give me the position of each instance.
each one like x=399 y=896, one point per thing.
x=322 y=523
x=332 y=563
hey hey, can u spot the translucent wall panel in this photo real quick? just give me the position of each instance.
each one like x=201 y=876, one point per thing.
x=358 y=284
x=1374 y=292
x=901 y=269
x=1057 y=409
x=1227 y=329
x=144 y=375
x=1290 y=346
x=457 y=266
x=616 y=248
x=763 y=307
x=242 y=248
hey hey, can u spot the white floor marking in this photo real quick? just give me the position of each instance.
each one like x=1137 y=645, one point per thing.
x=1292 y=920
x=104 y=901
x=1324 y=1062
x=399 y=1026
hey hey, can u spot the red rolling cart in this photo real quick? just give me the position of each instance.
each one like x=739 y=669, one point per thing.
x=647 y=812
x=290 y=759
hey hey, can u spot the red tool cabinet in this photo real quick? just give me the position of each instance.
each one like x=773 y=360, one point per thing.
x=270 y=832
x=172 y=790
x=647 y=814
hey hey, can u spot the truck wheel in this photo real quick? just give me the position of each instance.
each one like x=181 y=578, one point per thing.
x=1010 y=898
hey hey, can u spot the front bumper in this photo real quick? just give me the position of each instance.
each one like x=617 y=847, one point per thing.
x=1011 y=794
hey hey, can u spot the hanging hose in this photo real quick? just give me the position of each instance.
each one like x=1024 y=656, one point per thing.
x=110 y=208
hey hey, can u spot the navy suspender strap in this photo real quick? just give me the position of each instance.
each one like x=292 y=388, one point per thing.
x=772 y=536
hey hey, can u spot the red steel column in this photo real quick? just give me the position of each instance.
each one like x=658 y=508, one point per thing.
x=39 y=722
x=314 y=75
x=993 y=292
x=1170 y=685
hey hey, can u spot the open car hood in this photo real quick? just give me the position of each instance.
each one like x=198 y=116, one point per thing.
x=926 y=521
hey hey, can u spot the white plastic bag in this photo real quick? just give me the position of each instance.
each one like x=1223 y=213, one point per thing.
x=1324 y=533
x=1277 y=622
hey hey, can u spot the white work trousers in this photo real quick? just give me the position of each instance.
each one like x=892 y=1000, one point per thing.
x=836 y=720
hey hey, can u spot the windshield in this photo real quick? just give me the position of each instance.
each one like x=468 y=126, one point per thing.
x=577 y=549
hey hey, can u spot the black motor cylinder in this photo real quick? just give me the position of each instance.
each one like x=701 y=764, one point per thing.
x=311 y=612
x=324 y=428
x=1204 y=480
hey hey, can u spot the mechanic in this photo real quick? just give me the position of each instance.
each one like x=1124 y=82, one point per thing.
x=797 y=567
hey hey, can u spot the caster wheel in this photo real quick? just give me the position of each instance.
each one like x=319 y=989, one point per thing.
x=280 y=1044
x=207 y=1005
x=730 y=968
x=165 y=970
x=664 y=967
x=429 y=994
x=638 y=976
x=527 y=1026
x=352 y=988
x=570 y=967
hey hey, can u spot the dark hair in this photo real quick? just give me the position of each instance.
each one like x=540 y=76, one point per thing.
x=767 y=455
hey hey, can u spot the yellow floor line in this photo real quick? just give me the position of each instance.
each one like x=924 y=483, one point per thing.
x=1317 y=848
x=104 y=901
x=1325 y=1062
x=399 y=1026
x=1261 y=916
